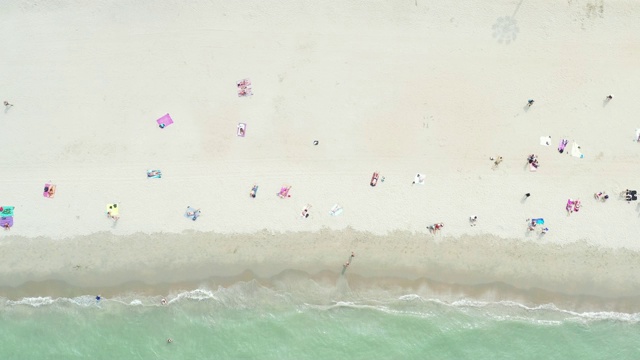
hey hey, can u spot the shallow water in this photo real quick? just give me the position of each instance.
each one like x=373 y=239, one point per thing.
x=304 y=320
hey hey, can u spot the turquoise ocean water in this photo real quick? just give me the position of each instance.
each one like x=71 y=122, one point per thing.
x=303 y=320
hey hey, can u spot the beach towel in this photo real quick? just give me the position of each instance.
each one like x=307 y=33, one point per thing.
x=532 y=167
x=154 y=174
x=284 y=192
x=113 y=210
x=419 y=179
x=545 y=140
x=576 y=151
x=49 y=191
x=305 y=211
x=254 y=191
x=242 y=129
x=637 y=138
x=6 y=211
x=335 y=210
x=562 y=145
x=539 y=221
x=374 y=179
x=8 y=220
x=165 y=121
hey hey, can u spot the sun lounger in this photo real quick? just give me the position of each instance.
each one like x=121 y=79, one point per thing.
x=374 y=179
x=284 y=192
x=154 y=174
x=254 y=191
x=49 y=191
x=6 y=211
x=165 y=121
x=242 y=129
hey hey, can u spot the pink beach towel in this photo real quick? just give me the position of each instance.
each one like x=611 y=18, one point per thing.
x=165 y=121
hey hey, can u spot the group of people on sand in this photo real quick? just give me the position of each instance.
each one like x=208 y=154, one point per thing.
x=533 y=160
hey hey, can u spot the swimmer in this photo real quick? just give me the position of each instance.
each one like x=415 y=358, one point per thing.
x=163 y=301
x=169 y=340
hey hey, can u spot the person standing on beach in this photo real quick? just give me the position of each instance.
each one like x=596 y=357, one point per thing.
x=610 y=97
x=530 y=102
x=6 y=104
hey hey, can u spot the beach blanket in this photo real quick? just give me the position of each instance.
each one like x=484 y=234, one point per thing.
x=8 y=220
x=569 y=206
x=244 y=87
x=49 y=191
x=113 y=210
x=6 y=211
x=284 y=192
x=419 y=179
x=562 y=145
x=154 y=174
x=165 y=121
x=242 y=129
x=545 y=140
x=576 y=151
x=637 y=138
x=335 y=210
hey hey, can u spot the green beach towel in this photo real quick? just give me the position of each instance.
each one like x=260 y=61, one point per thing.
x=6 y=211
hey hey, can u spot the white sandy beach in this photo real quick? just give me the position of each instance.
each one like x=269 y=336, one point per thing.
x=396 y=87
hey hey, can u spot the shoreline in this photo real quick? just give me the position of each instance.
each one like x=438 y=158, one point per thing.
x=577 y=275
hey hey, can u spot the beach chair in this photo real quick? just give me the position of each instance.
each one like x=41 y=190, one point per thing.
x=49 y=191
x=374 y=179
x=284 y=192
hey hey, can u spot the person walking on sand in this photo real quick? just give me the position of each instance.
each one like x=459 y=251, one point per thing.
x=473 y=220
x=610 y=97
x=530 y=102
x=6 y=104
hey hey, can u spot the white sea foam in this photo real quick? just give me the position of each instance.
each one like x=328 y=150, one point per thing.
x=253 y=295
